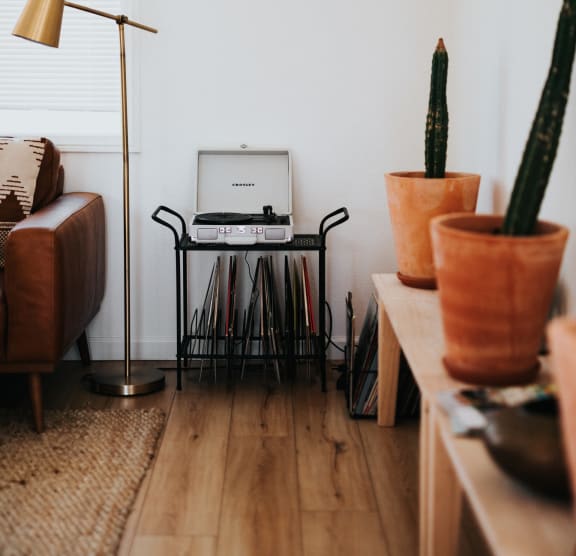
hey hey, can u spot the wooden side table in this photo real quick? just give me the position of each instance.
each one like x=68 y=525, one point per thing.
x=514 y=520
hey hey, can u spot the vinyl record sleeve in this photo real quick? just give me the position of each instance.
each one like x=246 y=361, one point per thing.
x=252 y=308
x=288 y=300
x=307 y=289
x=296 y=303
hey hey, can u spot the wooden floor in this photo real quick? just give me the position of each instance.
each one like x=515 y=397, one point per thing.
x=260 y=469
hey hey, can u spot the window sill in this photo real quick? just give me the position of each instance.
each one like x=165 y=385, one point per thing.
x=72 y=143
x=71 y=131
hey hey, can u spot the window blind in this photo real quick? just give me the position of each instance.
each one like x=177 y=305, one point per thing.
x=81 y=75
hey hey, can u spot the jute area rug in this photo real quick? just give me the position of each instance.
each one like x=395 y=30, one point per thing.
x=69 y=491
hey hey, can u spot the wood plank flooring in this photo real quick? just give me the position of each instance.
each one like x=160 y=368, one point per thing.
x=262 y=469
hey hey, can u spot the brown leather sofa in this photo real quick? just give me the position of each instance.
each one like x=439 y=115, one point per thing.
x=53 y=280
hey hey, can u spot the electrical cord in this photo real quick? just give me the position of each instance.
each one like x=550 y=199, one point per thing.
x=249 y=267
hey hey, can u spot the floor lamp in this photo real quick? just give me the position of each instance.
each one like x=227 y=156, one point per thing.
x=40 y=22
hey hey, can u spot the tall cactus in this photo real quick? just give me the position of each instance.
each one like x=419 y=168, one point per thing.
x=437 y=119
x=541 y=146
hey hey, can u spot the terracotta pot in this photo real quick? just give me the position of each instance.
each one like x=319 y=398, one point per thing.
x=495 y=293
x=412 y=201
x=561 y=334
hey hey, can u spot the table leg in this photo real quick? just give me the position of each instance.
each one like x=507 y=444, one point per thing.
x=388 y=367
x=440 y=491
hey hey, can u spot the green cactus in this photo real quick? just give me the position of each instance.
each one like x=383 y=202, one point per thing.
x=437 y=119
x=541 y=146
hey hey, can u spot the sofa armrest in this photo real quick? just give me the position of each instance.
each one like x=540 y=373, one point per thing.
x=54 y=276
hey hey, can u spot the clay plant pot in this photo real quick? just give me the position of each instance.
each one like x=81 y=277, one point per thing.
x=561 y=334
x=495 y=293
x=412 y=201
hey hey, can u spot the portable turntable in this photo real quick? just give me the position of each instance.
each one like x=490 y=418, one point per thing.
x=243 y=196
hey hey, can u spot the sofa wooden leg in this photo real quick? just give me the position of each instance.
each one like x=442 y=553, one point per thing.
x=83 y=348
x=35 y=386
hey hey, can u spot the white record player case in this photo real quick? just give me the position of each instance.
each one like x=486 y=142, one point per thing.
x=243 y=196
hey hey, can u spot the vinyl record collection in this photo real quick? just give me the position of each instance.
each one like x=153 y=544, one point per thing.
x=362 y=387
x=361 y=365
x=276 y=323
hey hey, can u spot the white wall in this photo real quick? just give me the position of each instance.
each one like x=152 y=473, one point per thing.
x=343 y=85
x=507 y=60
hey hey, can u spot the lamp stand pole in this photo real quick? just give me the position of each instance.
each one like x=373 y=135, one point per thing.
x=143 y=381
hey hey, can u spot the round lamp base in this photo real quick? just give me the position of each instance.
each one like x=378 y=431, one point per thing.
x=140 y=382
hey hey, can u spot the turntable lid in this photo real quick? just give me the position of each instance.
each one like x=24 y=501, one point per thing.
x=243 y=180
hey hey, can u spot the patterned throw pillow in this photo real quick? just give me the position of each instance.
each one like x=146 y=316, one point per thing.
x=20 y=161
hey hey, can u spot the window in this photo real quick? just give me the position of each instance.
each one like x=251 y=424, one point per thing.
x=71 y=93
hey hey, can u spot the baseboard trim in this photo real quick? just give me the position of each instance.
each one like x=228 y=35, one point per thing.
x=104 y=349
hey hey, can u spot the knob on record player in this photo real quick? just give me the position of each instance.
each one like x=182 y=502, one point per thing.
x=269 y=214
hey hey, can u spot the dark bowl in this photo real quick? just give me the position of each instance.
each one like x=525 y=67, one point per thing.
x=526 y=444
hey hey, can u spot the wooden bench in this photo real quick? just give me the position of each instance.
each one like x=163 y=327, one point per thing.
x=514 y=520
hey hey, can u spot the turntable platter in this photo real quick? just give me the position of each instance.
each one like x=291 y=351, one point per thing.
x=222 y=218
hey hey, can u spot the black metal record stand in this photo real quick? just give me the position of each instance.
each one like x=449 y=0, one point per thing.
x=301 y=242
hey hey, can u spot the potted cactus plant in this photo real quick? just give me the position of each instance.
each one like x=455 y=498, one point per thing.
x=416 y=197
x=497 y=274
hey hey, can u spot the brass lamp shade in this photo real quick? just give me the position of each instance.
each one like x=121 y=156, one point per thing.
x=41 y=21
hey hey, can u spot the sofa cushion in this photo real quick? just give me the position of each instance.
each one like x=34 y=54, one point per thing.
x=30 y=178
x=50 y=182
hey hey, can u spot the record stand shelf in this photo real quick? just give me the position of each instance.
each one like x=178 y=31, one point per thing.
x=301 y=242
x=360 y=379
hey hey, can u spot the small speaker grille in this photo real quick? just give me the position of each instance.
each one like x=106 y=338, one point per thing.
x=275 y=233
x=207 y=233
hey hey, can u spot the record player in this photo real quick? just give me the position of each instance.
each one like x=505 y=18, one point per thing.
x=243 y=197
